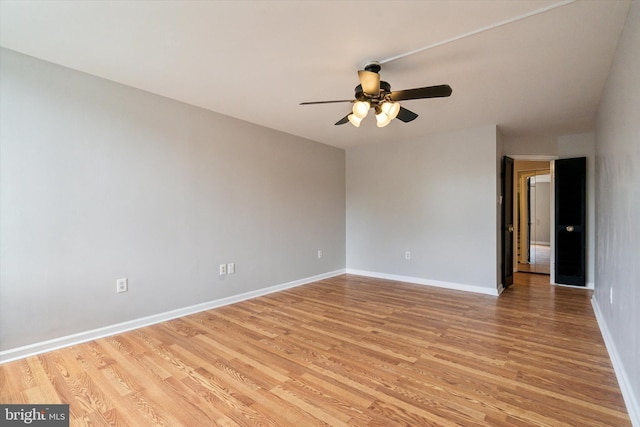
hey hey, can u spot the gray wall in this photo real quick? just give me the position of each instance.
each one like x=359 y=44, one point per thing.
x=101 y=181
x=618 y=203
x=435 y=197
x=542 y=145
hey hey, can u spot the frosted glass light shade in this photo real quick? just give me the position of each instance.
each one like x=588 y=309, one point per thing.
x=354 y=120
x=361 y=109
x=391 y=109
x=382 y=119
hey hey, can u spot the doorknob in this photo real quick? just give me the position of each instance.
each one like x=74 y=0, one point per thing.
x=569 y=228
x=510 y=228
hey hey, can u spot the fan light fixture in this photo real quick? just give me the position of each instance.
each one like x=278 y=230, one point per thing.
x=360 y=111
x=355 y=120
x=361 y=108
x=386 y=112
x=382 y=119
x=391 y=109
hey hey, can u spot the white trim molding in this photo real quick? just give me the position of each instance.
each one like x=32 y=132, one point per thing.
x=501 y=289
x=426 y=282
x=533 y=157
x=630 y=399
x=81 y=337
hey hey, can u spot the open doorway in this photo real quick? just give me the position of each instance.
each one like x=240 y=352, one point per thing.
x=533 y=216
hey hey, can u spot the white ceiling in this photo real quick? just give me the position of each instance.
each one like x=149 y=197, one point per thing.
x=257 y=60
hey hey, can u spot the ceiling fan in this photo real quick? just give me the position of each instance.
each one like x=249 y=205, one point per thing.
x=375 y=93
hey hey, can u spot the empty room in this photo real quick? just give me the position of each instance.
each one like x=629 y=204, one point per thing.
x=300 y=213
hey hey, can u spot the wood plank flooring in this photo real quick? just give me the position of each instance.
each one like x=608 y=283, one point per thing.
x=344 y=351
x=540 y=257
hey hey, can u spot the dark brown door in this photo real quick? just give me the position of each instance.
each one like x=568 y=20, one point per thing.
x=507 y=221
x=570 y=232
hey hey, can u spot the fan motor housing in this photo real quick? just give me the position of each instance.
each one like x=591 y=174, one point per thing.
x=385 y=88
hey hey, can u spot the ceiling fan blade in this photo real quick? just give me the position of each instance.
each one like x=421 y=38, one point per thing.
x=440 y=91
x=343 y=120
x=406 y=115
x=326 y=102
x=370 y=82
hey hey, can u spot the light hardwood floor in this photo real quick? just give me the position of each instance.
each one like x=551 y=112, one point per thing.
x=344 y=351
x=540 y=260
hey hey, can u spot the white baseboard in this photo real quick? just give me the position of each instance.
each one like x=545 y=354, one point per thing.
x=630 y=399
x=81 y=337
x=427 y=282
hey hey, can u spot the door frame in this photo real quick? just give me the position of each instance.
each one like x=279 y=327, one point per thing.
x=589 y=224
x=524 y=175
x=552 y=207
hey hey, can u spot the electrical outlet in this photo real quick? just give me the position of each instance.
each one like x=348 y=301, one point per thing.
x=231 y=268
x=223 y=269
x=122 y=285
x=319 y=253
x=407 y=255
